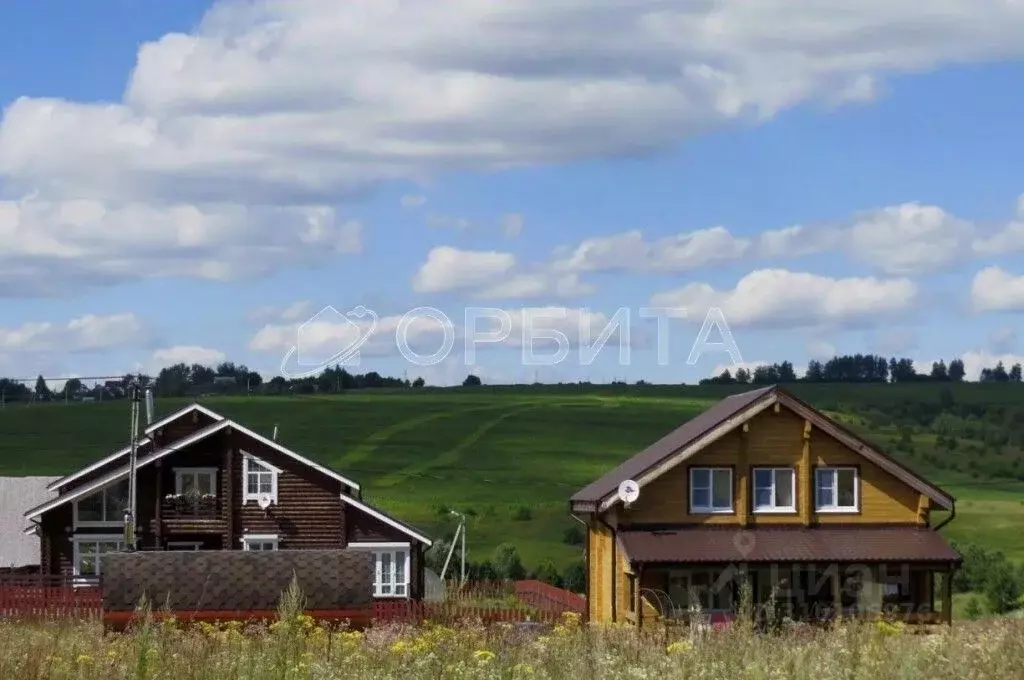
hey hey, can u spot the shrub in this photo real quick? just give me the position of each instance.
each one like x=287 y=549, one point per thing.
x=573 y=535
x=522 y=514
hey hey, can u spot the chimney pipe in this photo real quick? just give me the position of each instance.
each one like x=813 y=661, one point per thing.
x=149 y=406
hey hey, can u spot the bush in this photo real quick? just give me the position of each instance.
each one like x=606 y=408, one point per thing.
x=973 y=610
x=575 y=577
x=522 y=514
x=573 y=535
x=548 y=573
x=1003 y=588
x=507 y=563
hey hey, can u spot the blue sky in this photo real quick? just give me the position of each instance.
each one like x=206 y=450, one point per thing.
x=190 y=181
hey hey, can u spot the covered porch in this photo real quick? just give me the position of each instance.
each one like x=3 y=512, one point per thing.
x=809 y=575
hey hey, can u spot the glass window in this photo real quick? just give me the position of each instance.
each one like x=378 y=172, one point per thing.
x=260 y=479
x=392 y=578
x=710 y=490
x=835 y=489
x=106 y=506
x=774 y=489
x=87 y=553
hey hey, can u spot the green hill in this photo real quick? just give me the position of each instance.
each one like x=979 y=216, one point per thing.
x=510 y=457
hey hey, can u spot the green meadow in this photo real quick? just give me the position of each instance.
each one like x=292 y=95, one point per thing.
x=510 y=457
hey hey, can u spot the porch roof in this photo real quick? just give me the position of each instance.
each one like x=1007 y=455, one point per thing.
x=798 y=544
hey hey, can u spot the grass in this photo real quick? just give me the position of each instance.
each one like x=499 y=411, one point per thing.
x=296 y=648
x=489 y=451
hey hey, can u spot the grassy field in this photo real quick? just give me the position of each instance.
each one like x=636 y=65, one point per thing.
x=299 y=649
x=490 y=452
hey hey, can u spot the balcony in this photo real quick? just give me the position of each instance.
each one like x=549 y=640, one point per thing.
x=191 y=513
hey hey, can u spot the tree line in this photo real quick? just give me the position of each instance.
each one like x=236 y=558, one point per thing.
x=193 y=380
x=862 y=368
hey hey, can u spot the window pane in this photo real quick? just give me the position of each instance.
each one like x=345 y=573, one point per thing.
x=846 y=483
x=784 y=488
x=385 y=568
x=256 y=467
x=826 y=498
x=701 y=498
x=90 y=508
x=204 y=482
x=252 y=484
x=762 y=478
x=188 y=483
x=763 y=498
x=701 y=478
x=266 y=485
x=723 y=489
x=399 y=568
x=400 y=589
x=86 y=565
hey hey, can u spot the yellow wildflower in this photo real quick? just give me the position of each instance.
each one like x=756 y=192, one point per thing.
x=83 y=659
x=484 y=656
x=679 y=647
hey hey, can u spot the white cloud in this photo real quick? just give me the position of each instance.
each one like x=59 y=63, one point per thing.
x=630 y=251
x=491 y=275
x=997 y=290
x=974 y=361
x=512 y=225
x=83 y=334
x=777 y=298
x=413 y=200
x=49 y=246
x=307 y=103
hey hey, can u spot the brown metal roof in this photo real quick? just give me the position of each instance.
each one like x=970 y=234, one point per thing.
x=735 y=405
x=798 y=544
x=669 y=444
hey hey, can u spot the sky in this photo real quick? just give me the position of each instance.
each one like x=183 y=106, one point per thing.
x=433 y=189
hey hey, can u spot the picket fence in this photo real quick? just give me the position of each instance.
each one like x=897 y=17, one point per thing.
x=57 y=597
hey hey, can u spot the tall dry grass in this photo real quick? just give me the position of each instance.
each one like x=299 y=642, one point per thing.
x=295 y=647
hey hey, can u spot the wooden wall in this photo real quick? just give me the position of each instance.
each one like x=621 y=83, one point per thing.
x=777 y=439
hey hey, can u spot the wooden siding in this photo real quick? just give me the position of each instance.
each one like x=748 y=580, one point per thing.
x=599 y=586
x=777 y=440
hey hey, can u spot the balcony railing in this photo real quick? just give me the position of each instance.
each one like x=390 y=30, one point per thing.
x=175 y=505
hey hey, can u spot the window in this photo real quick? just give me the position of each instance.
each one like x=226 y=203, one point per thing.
x=87 y=551
x=260 y=478
x=708 y=590
x=774 y=490
x=259 y=542
x=835 y=489
x=103 y=508
x=710 y=490
x=392 y=573
x=199 y=481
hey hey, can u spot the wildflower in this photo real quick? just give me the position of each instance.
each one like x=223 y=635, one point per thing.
x=83 y=659
x=888 y=629
x=679 y=647
x=522 y=669
x=483 y=656
x=400 y=647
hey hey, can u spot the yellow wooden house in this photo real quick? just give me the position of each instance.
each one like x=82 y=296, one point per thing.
x=765 y=490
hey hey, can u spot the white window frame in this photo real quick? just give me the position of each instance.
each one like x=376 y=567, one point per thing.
x=249 y=539
x=76 y=551
x=399 y=552
x=834 y=507
x=711 y=509
x=180 y=473
x=86 y=524
x=275 y=473
x=774 y=507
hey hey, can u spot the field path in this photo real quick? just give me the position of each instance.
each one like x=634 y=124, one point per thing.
x=368 y=446
x=452 y=455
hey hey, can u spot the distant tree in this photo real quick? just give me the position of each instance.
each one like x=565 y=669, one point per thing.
x=419 y=382
x=548 y=573
x=471 y=381
x=815 y=372
x=1015 y=372
x=507 y=563
x=575 y=577
x=1003 y=587
x=42 y=389
x=973 y=610
x=72 y=388
x=939 y=371
x=742 y=376
x=956 y=370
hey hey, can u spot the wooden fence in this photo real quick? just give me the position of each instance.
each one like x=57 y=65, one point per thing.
x=51 y=597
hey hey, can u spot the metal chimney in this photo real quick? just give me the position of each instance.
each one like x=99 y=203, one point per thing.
x=149 y=406
x=275 y=433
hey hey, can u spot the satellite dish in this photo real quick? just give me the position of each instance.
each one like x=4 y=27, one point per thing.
x=264 y=501
x=629 y=491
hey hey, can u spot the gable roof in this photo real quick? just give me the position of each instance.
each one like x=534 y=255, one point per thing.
x=182 y=412
x=16 y=494
x=177 y=445
x=387 y=519
x=724 y=416
x=64 y=481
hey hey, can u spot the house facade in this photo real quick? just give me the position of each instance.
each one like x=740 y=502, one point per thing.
x=205 y=482
x=765 y=491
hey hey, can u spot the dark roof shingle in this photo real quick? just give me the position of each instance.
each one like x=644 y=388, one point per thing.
x=784 y=544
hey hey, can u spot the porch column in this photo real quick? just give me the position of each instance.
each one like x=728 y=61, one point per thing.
x=742 y=477
x=837 y=591
x=638 y=601
x=947 y=596
x=158 y=510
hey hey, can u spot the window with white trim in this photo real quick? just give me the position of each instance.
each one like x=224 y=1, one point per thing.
x=106 y=507
x=392 y=573
x=199 y=481
x=260 y=479
x=259 y=542
x=710 y=490
x=774 y=490
x=836 y=489
x=87 y=550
